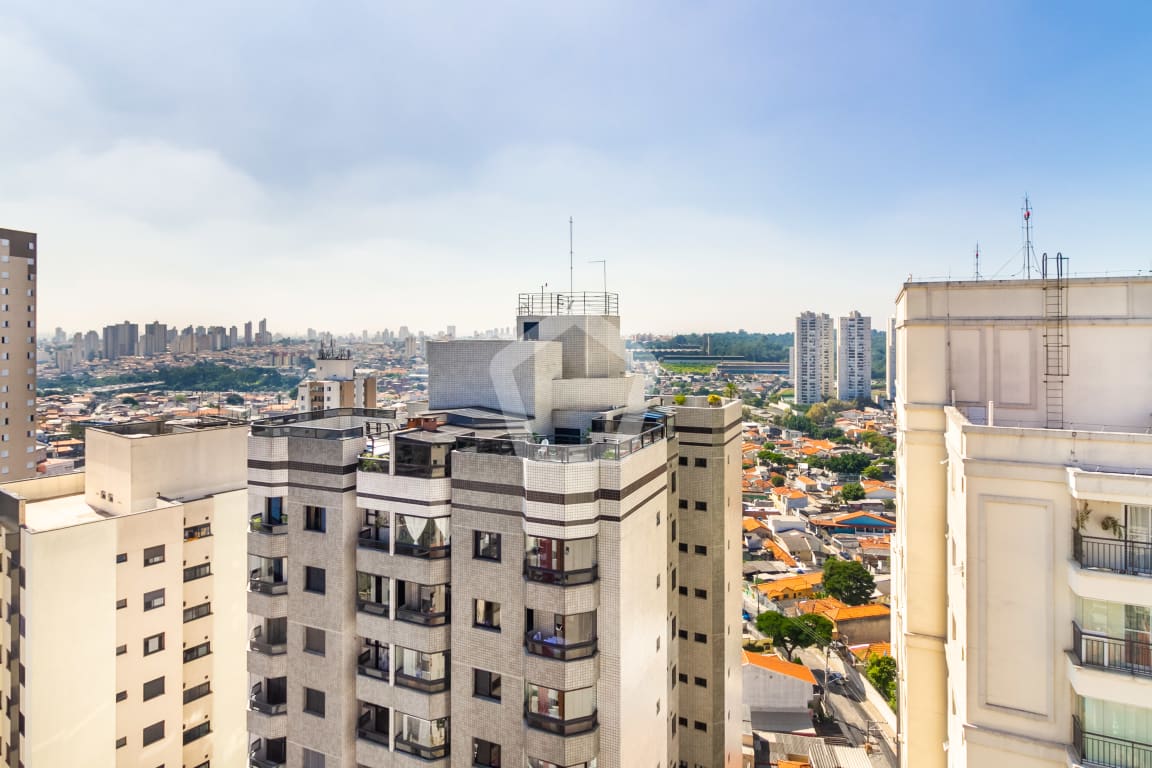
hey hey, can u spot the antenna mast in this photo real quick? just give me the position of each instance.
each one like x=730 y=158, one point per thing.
x=977 y=259
x=1029 y=254
x=571 y=279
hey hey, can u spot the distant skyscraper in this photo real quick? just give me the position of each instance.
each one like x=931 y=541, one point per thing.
x=233 y=337
x=248 y=333
x=155 y=339
x=121 y=340
x=890 y=360
x=813 y=363
x=854 y=358
x=18 y=348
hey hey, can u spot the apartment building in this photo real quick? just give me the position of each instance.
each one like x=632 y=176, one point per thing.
x=336 y=384
x=813 y=358
x=17 y=354
x=890 y=360
x=1022 y=560
x=124 y=631
x=854 y=357
x=155 y=339
x=536 y=568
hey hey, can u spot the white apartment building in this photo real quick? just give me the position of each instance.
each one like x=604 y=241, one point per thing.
x=336 y=384
x=854 y=357
x=813 y=358
x=17 y=355
x=1022 y=560
x=537 y=569
x=124 y=631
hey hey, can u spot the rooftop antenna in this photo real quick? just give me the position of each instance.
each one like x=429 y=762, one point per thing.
x=977 y=259
x=1029 y=254
x=571 y=283
x=604 y=265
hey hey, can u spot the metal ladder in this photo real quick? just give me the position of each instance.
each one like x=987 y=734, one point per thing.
x=1055 y=277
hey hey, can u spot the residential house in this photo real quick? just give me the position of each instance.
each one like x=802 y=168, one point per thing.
x=778 y=693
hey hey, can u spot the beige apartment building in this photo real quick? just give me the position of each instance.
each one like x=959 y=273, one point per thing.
x=17 y=355
x=1022 y=561
x=124 y=633
x=535 y=569
x=335 y=384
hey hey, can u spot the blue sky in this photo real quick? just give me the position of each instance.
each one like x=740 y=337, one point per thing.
x=350 y=165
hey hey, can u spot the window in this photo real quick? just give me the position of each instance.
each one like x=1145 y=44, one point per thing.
x=682 y=546
x=122 y=603
x=486 y=546
x=197 y=612
x=122 y=557
x=701 y=462
x=315 y=519
x=673 y=577
x=682 y=720
x=701 y=506
x=485 y=753
x=486 y=684
x=154 y=733
x=314 y=702
x=314 y=640
x=682 y=590
x=193 y=572
x=682 y=633
x=699 y=637
x=121 y=695
x=196 y=731
x=153 y=644
x=154 y=555
x=673 y=486
x=699 y=726
x=121 y=742
x=487 y=614
x=312 y=759
x=314 y=579
x=123 y=649
x=700 y=682
x=197 y=692
x=701 y=593
x=682 y=461
x=700 y=549
x=197 y=652
x=197 y=532
x=682 y=503
x=153 y=688
x=682 y=677
x=153 y=599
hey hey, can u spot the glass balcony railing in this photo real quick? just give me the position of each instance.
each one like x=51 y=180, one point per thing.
x=259 y=524
x=552 y=646
x=563 y=578
x=268 y=587
x=558 y=725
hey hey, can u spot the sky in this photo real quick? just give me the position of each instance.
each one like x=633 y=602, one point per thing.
x=361 y=165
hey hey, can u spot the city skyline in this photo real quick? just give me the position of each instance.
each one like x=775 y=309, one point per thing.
x=881 y=142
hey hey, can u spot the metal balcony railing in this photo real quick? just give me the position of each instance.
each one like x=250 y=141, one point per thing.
x=1118 y=555
x=1097 y=749
x=1124 y=655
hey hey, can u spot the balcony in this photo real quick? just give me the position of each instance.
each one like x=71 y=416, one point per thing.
x=373 y=664
x=1116 y=555
x=372 y=607
x=268 y=753
x=376 y=464
x=375 y=537
x=1102 y=751
x=553 y=723
x=563 y=578
x=427 y=617
x=259 y=703
x=551 y=646
x=267 y=645
x=265 y=587
x=423 y=751
x=258 y=524
x=1133 y=656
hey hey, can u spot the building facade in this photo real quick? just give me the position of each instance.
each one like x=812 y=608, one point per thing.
x=18 y=354
x=535 y=568
x=122 y=340
x=335 y=384
x=1022 y=559
x=155 y=339
x=854 y=358
x=813 y=358
x=125 y=630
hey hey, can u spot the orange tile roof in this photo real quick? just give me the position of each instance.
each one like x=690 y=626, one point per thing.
x=797 y=583
x=751 y=525
x=774 y=663
x=838 y=611
x=780 y=553
x=866 y=652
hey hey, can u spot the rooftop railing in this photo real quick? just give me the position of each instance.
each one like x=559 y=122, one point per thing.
x=290 y=425
x=578 y=303
x=610 y=450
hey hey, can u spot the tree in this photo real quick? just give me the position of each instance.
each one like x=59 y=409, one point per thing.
x=852 y=492
x=873 y=472
x=777 y=481
x=731 y=390
x=881 y=672
x=234 y=399
x=848 y=581
x=130 y=401
x=789 y=634
x=819 y=413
